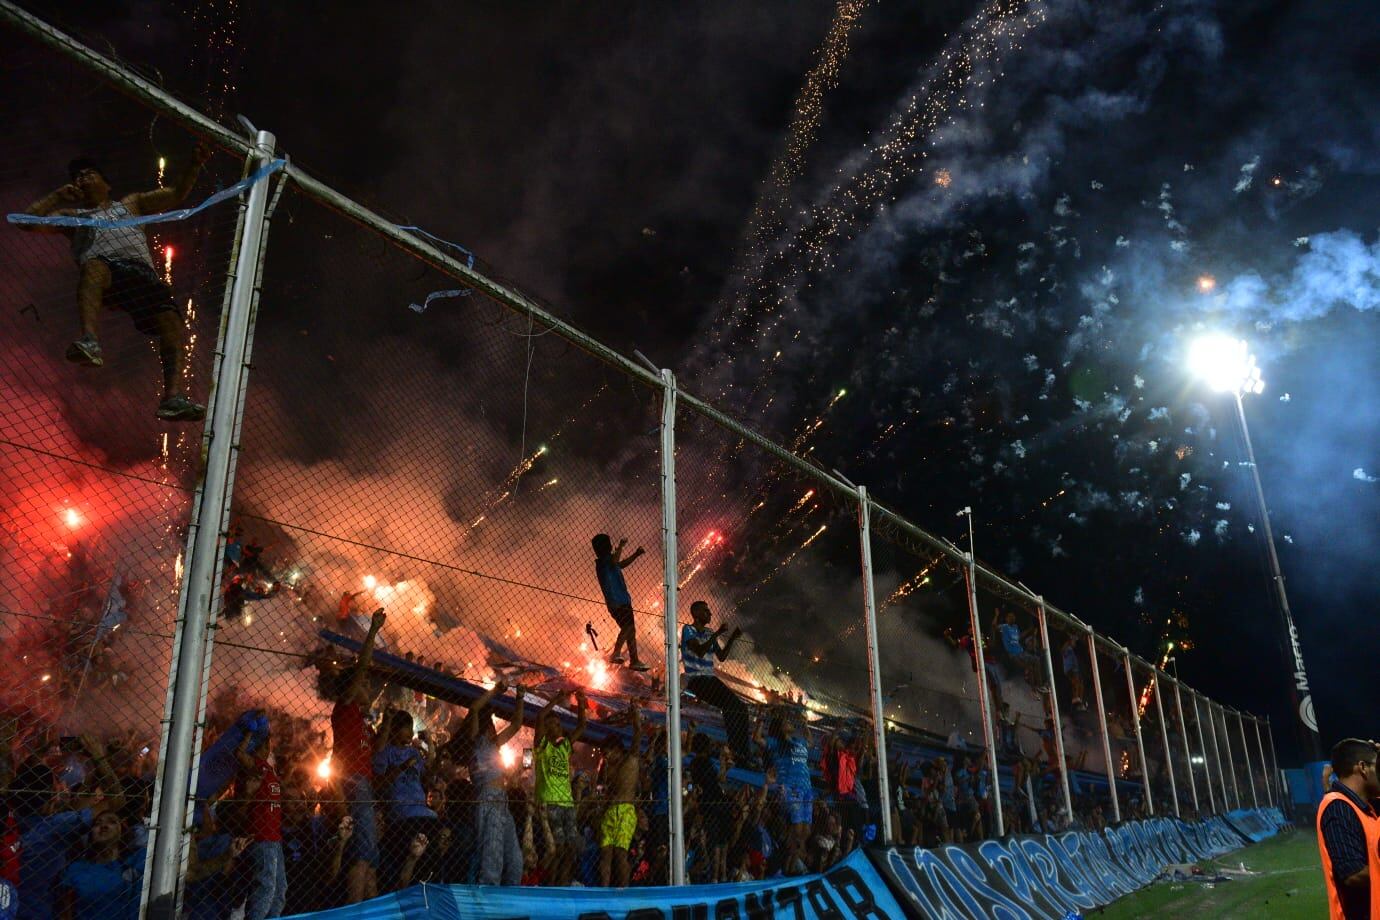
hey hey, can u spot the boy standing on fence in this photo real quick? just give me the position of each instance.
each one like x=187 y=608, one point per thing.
x=608 y=566
x=117 y=269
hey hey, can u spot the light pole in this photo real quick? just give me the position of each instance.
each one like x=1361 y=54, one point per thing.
x=1226 y=365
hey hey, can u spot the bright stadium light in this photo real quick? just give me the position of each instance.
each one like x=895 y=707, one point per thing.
x=1225 y=364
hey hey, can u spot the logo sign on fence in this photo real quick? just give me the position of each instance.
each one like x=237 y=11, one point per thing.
x=1053 y=875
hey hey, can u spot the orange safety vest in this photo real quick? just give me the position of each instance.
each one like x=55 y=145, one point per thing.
x=1371 y=826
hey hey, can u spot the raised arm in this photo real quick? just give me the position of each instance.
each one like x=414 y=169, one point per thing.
x=618 y=555
x=514 y=726
x=58 y=203
x=583 y=719
x=704 y=646
x=106 y=778
x=357 y=690
x=246 y=761
x=471 y=724
x=722 y=651
x=167 y=197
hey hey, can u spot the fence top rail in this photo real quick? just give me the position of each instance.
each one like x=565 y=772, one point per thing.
x=161 y=100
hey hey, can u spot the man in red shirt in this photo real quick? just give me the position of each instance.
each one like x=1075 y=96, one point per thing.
x=352 y=752
x=262 y=793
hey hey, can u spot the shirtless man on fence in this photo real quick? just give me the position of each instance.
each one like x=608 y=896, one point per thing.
x=117 y=270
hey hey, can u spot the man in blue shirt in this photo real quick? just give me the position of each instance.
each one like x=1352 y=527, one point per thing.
x=699 y=647
x=47 y=834
x=399 y=771
x=608 y=566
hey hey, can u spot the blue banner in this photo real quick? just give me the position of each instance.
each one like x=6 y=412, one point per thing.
x=1054 y=876
x=852 y=890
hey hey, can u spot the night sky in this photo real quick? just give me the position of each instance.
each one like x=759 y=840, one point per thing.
x=995 y=230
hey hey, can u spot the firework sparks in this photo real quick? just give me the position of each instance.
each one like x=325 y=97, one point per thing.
x=781 y=566
x=943 y=178
x=1206 y=284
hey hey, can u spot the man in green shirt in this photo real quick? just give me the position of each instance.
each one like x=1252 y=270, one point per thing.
x=556 y=804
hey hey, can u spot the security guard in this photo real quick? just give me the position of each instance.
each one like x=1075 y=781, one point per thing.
x=1349 y=833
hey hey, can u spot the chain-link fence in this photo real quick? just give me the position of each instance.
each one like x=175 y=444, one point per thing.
x=450 y=591
x=106 y=342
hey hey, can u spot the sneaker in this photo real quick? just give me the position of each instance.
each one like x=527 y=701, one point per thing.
x=616 y=659
x=86 y=350
x=178 y=408
x=638 y=666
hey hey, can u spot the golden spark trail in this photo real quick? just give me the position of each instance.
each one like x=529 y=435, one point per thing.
x=773 y=201
x=782 y=565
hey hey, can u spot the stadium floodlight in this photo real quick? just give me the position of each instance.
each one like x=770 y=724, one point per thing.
x=1225 y=364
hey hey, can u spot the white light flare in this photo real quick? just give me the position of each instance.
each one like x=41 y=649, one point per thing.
x=1225 y=364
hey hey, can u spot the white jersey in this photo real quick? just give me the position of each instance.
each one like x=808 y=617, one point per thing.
x=130 y=243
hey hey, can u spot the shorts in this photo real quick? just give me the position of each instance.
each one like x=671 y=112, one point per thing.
x=561 y=820
x=798 y=804
x=616 y=830
x=623 y=616
x=136 y=289
x=364 y=840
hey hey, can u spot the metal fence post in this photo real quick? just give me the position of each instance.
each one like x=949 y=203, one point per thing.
x=1042 y=617
x=1102 y=725
x=984 y=697
x=1157 y=678
x=1188 y=748
x=1202 y=746
x=1231 y=760
x=1264 y=764
x=1285 y=797
x=1246 y=756
x=178 y=756
x=1135 y=726
x=874 y=664
x=670 y=601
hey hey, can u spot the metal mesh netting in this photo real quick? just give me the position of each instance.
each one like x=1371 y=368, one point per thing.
x=769 y=561
x=440 y=641
x=450 y=467
x=101 y=326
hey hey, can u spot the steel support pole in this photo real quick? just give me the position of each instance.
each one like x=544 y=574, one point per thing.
x=1299 y=687
x=1063 y=765
x=1217 y=754
x=178 y=755
x=1246 y=756
x=1231 y=759
x=1158 y=678
x=1285 y=797
x=1102 y=725
x=874 y=663
x=1135 y=725
x=1202 y=746
x=984 y=696
x=670 y=602
x=1188 y=748
x=1264 y=764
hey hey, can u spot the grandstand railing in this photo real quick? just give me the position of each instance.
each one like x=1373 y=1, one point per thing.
x=1204 y=767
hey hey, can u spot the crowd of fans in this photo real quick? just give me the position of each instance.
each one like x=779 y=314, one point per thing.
x=407 y=788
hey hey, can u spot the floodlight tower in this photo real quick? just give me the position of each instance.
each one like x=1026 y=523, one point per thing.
x=1226 y=365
